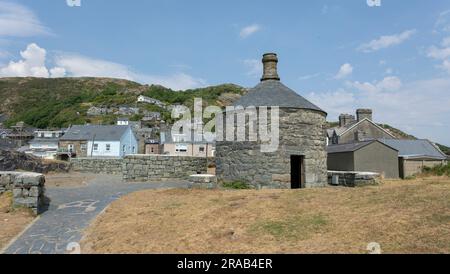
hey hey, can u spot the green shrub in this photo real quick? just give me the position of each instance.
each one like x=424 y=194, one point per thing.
x=440 y=170
x=236 y=185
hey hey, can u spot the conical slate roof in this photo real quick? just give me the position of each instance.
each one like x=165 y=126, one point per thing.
x=272 y=93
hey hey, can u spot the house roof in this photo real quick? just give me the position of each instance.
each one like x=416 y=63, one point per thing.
x=44 y=140
x=352 y=147
x=342 y=130
x=273 y=93
x=415 y=148
x=97 y=132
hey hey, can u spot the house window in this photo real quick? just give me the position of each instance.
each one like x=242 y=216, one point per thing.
x=153 y=150
x=53 y=135
x=95 y=147
x=70 y=147
x=124 y=148
x=83 y=147
x=108 y=147
x=201 y=149
x=181 y=148
x=134 y=150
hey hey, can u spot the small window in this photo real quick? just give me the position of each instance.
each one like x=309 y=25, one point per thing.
x=134 y=150
x=124 y=148
x=108 y=147
x=153 y=150
x=95 y=147
x=70 y=148
x=201 y=149
x=83 y=147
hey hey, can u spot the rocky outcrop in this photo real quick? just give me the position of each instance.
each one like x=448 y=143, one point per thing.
x=12 y=160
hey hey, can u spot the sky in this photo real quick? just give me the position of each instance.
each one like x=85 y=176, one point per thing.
x=391 y=56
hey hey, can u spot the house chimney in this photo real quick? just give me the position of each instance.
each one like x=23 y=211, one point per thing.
x=346 y=119
x=364 y=113
x=270 y=61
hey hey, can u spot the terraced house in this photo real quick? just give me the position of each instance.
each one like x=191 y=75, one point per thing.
x=98 y=141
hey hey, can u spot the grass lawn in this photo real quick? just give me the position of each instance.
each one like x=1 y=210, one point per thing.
x=12 y=221
x=402 y=216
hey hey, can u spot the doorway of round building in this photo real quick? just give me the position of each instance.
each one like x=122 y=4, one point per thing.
x=297 y=172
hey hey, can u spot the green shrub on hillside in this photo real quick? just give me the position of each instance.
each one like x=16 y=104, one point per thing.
x=440 y=170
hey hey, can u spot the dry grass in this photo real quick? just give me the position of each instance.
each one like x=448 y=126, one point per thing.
x=403 y=216
x=12 y=221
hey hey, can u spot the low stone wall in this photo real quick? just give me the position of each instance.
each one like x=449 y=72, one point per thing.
x=97 y=165
x=28 y=189
x=353 y=179
x=161 y=167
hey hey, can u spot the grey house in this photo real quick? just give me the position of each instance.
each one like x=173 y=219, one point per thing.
x=414 y=155
x=361 y=128
x=367 y=156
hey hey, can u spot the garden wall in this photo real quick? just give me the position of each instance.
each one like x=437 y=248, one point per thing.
x=161 y=167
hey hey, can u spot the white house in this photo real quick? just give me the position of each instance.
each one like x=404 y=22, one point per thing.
x=45 y=143
x=99 y=141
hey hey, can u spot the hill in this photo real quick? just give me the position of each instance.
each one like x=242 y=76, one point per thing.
x=55 y=103
x=61 y=102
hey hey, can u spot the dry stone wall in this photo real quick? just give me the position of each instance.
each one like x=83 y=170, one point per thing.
x=161 y=167
x=97 y=165
x=28 y=189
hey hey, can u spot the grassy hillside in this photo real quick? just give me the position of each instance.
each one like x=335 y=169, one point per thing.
x=47 y=103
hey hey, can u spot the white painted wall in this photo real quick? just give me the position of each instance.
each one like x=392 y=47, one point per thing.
x=102 y=149
x=127 y=145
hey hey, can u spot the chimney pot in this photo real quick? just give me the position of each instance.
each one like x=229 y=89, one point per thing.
x=364 y=113
x=270 y=62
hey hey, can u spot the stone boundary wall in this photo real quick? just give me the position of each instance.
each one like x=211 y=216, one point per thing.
x=97 y=165
x=28 y=189
x=354 y=179
x=161 y=167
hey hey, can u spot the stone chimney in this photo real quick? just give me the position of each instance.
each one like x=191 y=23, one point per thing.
x=346 y=119
x=270 y=62
x=364 y=113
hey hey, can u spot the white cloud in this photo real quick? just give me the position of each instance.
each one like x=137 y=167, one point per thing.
x=309 y=76
x=345 y=71
x=419 y=107
x=32 y=64
x=254 y=67
x=34 y=59
x=19 y=21
x=441 y=54
x=79 y=66
x=438 y=53
x=390 y=83
x=443 y=22
x=57 y=72
x=386 y=41
x=249 y=30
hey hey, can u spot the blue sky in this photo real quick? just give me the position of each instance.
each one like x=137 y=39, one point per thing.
x=341 y=55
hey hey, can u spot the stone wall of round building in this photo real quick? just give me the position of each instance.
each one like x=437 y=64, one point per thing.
x=302 y=133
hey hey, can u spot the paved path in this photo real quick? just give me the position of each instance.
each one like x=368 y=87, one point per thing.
x=71 y=211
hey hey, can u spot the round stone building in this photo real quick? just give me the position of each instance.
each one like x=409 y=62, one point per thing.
x=301 y=158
